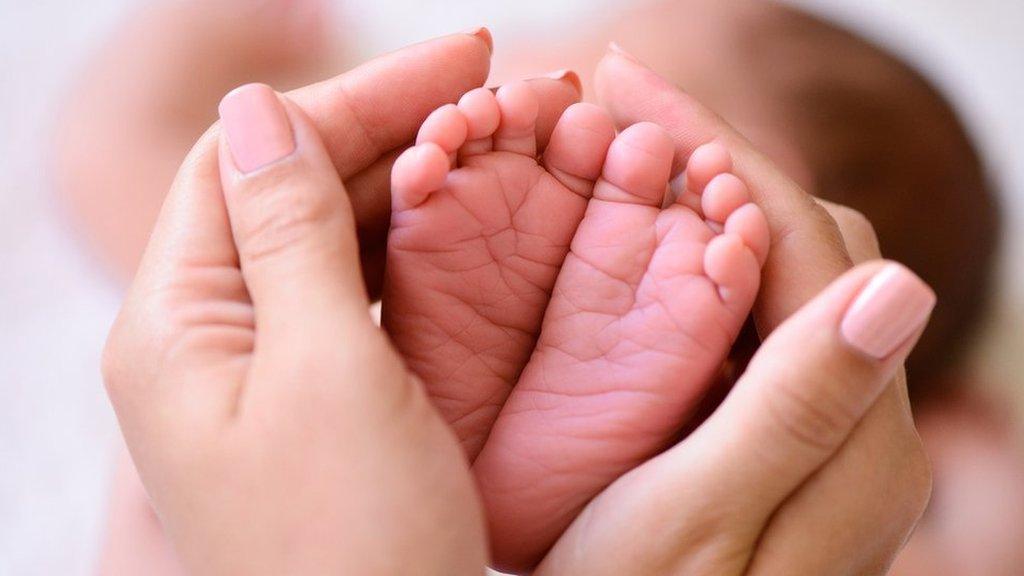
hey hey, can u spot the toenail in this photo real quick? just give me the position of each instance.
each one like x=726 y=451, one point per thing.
x=569 y=76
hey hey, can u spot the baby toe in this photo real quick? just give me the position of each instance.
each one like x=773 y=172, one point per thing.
x=722 y=196
x=417 y=172
x=733 y=267
x=447 y=127
x=517 y=129
x=706 y=162
x=480 y=107
x=637 y=167
x=749 y=223
x=578 y=146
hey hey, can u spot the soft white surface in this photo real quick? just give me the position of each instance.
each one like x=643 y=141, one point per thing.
x=57 y=434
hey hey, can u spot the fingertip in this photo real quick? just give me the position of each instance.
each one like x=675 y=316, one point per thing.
x=483 y=34
x=256 y=127
x=568 y=76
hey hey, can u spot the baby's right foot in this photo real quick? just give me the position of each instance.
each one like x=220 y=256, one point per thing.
x=646 y=307
x=479 y=230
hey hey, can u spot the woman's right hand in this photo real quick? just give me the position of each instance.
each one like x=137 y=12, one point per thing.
x=812 y=464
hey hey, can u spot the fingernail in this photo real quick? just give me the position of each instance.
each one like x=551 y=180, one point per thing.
x=484 y=34
x=256 y=126
x=889 y=310
x=569 y=75
x=615 y=48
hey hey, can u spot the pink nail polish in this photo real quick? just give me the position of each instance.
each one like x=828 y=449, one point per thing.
x=568 y=75
x=890 y=309
x=484 y=34
x=615 y=48
x=256 y=126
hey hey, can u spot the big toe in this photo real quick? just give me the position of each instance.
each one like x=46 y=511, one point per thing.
x=579 y=144
x=637 y=167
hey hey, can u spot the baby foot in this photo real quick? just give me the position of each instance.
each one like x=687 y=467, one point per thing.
x=479 y=231
x=645 y=309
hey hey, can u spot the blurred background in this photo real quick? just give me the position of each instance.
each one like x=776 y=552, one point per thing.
x=909 y=110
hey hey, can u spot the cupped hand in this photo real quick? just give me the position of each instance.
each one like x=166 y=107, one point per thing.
x=812 y=464
x=274 y=427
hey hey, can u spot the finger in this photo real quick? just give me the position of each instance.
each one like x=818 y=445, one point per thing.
x=555 y=92
x=802 y=394
x=290 y=217
x=135 y=540
x=875 y=488
x=858 y=233
x=810 y=384
x=379 y=106
x=883 y=458
x=369 y=189
x=189 y=262
x=807 y=250
x=887 y=429
x=370 y=192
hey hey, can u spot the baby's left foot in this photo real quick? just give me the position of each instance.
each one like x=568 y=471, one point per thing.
x=479 y=229
x=644 y=312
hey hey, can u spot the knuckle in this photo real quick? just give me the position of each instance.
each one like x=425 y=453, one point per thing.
x=812 y=420
x=853 y=219
x=123 y=352
x=281 y=215
x=858 y=233
x=112 y=365
x=817 y=227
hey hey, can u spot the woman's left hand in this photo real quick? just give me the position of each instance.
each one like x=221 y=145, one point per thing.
x=272 y=424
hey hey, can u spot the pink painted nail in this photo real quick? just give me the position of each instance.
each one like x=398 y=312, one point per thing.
x=257 y=127
x=615 y=48
x=568 y=75
x=889 y=310
x=484 y=34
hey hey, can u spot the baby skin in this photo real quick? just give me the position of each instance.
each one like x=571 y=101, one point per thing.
x=564 y=319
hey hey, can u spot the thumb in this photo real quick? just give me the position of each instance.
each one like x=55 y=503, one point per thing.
x=290 y=216
x=812 y=381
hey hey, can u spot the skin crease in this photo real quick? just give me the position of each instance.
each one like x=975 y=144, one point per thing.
x=688 y=41
x=364 y=194
x=367 y=171
x=191 y=288
x=806 y=247
x=488 y=224
x=908 y=475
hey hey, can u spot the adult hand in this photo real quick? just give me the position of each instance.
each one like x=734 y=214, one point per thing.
x=273 y=426
x=370 y=115
x=812 y=464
